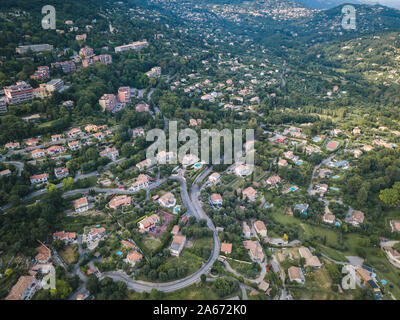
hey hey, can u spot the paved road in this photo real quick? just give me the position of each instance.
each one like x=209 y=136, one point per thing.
x=19 y=165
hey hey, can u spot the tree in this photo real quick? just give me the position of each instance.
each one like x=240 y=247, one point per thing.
x=68 y=183
x=50 y=187
x=203 y=278
x=391 y=196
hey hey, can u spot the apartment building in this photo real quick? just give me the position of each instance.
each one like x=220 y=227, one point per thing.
x=19 y=93
x=108 y=102
x=132 y=46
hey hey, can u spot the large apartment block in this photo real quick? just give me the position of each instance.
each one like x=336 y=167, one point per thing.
x=34 y=48
x=132 y=46
x=124 y=94
x=108 y=102
x=66 y=66
x=18 y=93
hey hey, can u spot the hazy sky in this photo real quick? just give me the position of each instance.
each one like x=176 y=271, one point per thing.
x=389 y=3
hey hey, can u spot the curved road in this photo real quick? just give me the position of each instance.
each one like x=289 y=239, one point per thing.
x=194 y=207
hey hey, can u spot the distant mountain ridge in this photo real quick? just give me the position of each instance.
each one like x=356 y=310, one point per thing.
x=327 y=4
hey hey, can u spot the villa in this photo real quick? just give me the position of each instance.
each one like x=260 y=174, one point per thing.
x=214 y=178
x=148 y=223
x=120 y=201
x=216 y=199
x=177 y=245
x=295 y=274
x=81 y=205
x=250 y=193
x=260 y=228
x=167 y=200
x=142 y=182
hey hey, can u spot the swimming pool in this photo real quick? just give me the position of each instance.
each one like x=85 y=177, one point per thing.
x=334 y=189
x=177 y=209
x=335 y=177
x=293 y=189
x=198 y=165
x=119 y=253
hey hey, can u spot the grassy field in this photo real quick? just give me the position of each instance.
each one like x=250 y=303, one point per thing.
x=245 y=269
x=151 y=242
x=69 y=254
x=194 y=292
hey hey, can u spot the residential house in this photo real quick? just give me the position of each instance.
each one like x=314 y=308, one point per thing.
x=395 y=224
x=243 y=170
x=255 y=250
x=5 y=173
x=357 y=217
x=148 y=223
x=216 y=199
x=296 y=274
x=142 y=182
x=246 y=230
x=133 y=257
x=175 y=230
x=142 y=107
x=282 y=163
x=31 y=142
x=144 y=164
x=189 y=159
x=81 y=205
x=24 y=289
x=111 y=153
x=260 y=228
x=137 y=132
x=128 y=244
x=99 y=136
x=167 y=200
x=120 y=201
x=214 y=178
x=226 y=247
x=96 y=233
x=54 y=150
x=328 y=218
x=12 y=145
x=67 y=237
x=61 y=172
x=392 y=255
x=154 y=72
x=273 y=180
x=38 y=153
x=39 y=178
x=74 y=145
x=56 y=137
x=43 y=254
x=177 y=245
x=74 y=133
x=311 y=260
x=250 y=193
x=163 y=157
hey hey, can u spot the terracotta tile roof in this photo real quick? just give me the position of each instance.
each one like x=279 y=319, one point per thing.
x=226 y=247
x=20 y=287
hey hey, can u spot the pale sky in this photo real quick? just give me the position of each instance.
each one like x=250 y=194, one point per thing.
x=389 y=3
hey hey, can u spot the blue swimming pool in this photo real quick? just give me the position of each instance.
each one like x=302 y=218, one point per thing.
x=119 y=253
